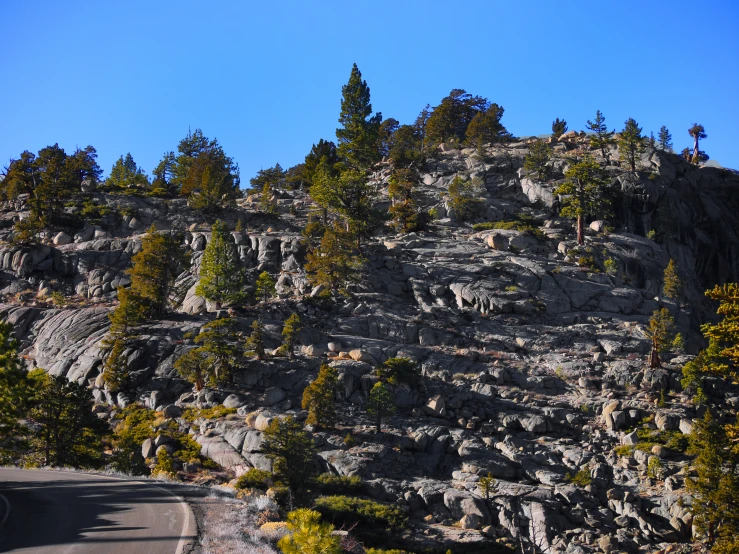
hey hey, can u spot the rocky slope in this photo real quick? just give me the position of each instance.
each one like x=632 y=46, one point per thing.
x=533 y=366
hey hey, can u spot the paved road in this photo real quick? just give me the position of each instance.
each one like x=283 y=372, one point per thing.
x=76 y=513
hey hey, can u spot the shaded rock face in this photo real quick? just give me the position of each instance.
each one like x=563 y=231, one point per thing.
x=530 y=349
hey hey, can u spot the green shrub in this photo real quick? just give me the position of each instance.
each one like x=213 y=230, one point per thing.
x=349 y=440
x=582 y=478
x=191 y=414
x=624 y=450
x=347 y=510
x=486 y=226
x=327 y=482
x=611 y=267
x=654 y=468
x=254 y=479
x=589 y=262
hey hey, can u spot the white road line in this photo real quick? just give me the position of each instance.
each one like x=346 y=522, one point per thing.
x=7 y=510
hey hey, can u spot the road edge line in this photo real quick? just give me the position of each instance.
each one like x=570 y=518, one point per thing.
x=7 y=510
x=189 y=533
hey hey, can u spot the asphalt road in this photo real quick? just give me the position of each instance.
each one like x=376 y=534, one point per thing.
x=77 y=513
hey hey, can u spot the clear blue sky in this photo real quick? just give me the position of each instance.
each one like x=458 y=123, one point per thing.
x=265 y=77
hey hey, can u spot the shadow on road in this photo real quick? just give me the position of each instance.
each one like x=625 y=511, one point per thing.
x=47 y=512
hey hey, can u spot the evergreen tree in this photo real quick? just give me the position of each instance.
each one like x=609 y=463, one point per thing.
x=19 y=176
x=129 y=313
x=582 y=193
x=115 y=369
x=266 y=202
x=333 y=263
x=193 y=367
x=602 y=138
x=381 y=404
x=406 y=148
x=308 y=535
x=664 y=139
x=255 y=341
x=398 y=371
x=221 y=275
x=154 y=269
x=725 y=333
x=196 y=154
x=67 y=432
x=125 y=173
x=14 y=394
x=464 y=198
x=660 y=331
x=387 y=131
x=672 y=285
x=402 y=191
x=319 y=398
x=450 y=119
x=265 y=287
x=321 y=154
x=272 y=176
x=163 y=173
x=222 y=352
x=715 y=487
x=537 y=159
x=631 y=144
x=291 y=449
x=559 y=128
x=290 y=331
x=486 y=128
x=698 y=132
x=359 y=131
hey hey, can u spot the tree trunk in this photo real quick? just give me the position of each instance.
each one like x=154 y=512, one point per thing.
x=580 y=230
x=654 y=360
x=695 y=148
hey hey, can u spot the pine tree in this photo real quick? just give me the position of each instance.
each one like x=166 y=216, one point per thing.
x=290 y=331
x=631 y=144
x=406 y=150
x=582 y=193
x=221 y=274
x=486 y=128
x=154 y=269
x=559 y=128
x=402 y=191
x=127 y=315
x=255 y=341
x=220 y=346
x=537 y=159
x=715 y=487
x=359 y=131
x=450 y=119
x=292 y=451
x=265 y=287
x=14 y=395
x=381 y=404
x=125 y=173
x=193 y=367
x=321 y=154
x=660 y=331
x=664 y=139
x=266 y=202
x=334 y=263
x=115 y=369
x=398 y=371
x=66 y=431
x=464 y=198
x=308 y=535
x=602 y=138
x=319 y=398
x=725 y=333
x=672 y=285
x=163 y=174
x=698 y=132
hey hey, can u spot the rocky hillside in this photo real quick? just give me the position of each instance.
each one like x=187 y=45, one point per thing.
x=532 y=348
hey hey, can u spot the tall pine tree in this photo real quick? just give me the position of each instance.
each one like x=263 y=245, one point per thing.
x=631 y=143
x=221 y=274
x=359 y=131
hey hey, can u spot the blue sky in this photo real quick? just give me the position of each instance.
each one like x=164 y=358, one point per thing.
x=265 y=77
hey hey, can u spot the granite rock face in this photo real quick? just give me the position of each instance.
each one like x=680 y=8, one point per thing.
x=531 y=349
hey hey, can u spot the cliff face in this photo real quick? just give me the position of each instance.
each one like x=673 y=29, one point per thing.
x=533 y=365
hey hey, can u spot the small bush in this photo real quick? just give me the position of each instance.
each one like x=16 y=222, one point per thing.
x=254 y=479
x=624 y=450
x=589 y=262
x=191 y=414
x=654 y=468
x=611 y=267
x=346 y=510
x=326 y=482
x=349 y=440
x=511 y=288
x=582 y=478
